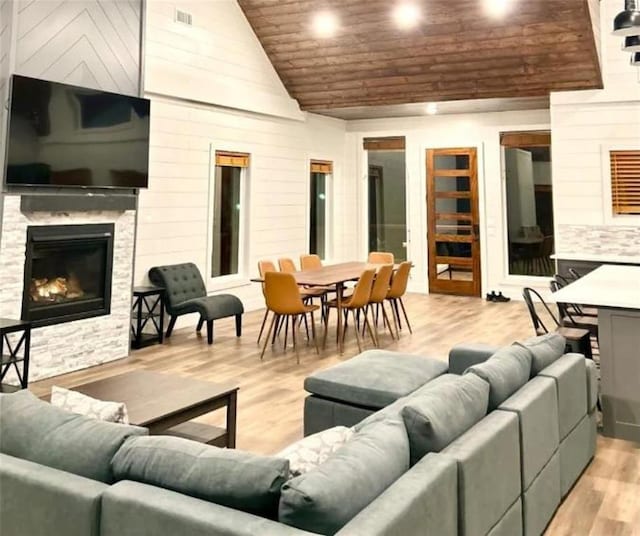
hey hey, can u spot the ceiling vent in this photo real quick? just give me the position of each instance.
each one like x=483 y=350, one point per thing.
x=184 y=17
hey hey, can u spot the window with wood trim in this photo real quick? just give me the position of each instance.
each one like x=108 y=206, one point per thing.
x=321 y=171
x=228 y=212
x=625 y=182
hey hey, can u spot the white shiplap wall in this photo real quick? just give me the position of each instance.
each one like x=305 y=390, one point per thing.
x=218 y=60
x=91 y=43
x=188 y=74
x=480 y=130
x=585 y=125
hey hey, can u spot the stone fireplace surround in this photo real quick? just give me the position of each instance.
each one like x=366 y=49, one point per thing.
x=62 y=348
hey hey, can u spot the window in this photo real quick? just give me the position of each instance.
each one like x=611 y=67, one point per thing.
x=387 y=212
x=529 y=189
x=318 y=220
x=625 y=182
x=227 y=212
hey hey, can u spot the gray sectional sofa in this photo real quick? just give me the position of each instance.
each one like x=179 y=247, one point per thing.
x=488 y=448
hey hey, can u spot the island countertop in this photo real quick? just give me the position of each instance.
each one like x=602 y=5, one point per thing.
x=609 y=286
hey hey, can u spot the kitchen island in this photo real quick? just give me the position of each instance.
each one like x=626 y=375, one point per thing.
x=615 y=291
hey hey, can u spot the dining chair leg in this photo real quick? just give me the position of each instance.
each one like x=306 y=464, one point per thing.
x=306 y=326
x=266 y=339
x=294 y=323
x=313 y=332
x=385 y=317
x=353 y=313
x=404 y=311
x=286 y=331
x=374 y=320
x=277 y=329
x=200 y=323
x=396 y=310
x=326 y=330
x=395 y=321
x=264 y=321
x=368 y=326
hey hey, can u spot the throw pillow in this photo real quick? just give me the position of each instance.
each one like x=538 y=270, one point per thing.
x=91 y=407
x=505 y=371
x=314 y=450
x=326 y=498
x=443 y=413
x=228 y=477
x=545 y=350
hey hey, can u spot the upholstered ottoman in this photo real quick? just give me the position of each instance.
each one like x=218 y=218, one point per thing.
x=351 y=391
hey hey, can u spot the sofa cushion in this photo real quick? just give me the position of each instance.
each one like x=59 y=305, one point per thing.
x=505 y=372
x=228 y=477
x=444 y=412
x=544 y=350
x=488 y=457
x=314 y=450
x=569 y=373
x=536 y=405
x=326 y=498
x=35 y=430
x=374 y=378
x=91 y=407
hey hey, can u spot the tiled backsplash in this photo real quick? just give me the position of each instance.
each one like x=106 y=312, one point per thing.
x=598 y=240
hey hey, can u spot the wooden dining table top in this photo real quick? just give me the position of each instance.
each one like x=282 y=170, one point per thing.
x=332 y=274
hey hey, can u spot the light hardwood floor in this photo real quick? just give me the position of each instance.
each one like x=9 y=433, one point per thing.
x=605 y=501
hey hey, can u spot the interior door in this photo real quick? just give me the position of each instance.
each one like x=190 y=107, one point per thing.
x=453 y=221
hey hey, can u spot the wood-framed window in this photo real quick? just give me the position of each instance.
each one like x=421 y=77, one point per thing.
x=625 y=182
x=321 y=172
x=229 y=209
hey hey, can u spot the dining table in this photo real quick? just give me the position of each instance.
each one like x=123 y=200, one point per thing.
x=615 y=291
x=336 y=276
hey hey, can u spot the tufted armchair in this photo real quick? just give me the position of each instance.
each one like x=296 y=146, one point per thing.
x=185 y=293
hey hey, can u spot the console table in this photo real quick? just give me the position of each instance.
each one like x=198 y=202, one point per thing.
x=12 y=354
x=615 y=291
x=147 y=313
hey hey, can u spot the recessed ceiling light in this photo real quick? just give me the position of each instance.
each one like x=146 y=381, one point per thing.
x=325 y=24
x=497 y=8
x=406 y=15
x=432 y=108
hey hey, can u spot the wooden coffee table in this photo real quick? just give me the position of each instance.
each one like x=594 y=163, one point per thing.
x=165 y=404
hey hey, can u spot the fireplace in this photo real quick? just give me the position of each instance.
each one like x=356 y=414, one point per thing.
x=67 y=273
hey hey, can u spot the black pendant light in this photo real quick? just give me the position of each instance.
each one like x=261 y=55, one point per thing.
x=631 y=43
x=635 y=59
x=628 y=21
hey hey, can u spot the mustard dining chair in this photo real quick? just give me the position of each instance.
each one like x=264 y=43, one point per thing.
x=379 y=292
x=310 y=262
x=263 y=268
x=308 y=293
x=380 y=257
x=357 y=302
x=283 y=298
x=397 y=291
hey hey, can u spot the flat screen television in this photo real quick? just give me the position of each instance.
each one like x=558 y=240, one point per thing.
x=68 y=136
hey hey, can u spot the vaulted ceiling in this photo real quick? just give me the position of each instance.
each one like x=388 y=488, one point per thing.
x=455 y=52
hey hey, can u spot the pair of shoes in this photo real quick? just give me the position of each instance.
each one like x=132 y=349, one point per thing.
x=493 y=297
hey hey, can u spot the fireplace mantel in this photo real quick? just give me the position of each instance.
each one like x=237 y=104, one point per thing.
x=77 y=203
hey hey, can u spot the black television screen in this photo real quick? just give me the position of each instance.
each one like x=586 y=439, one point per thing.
x=61 y=135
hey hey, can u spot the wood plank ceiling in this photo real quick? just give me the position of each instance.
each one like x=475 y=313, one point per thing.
x=455 y=52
